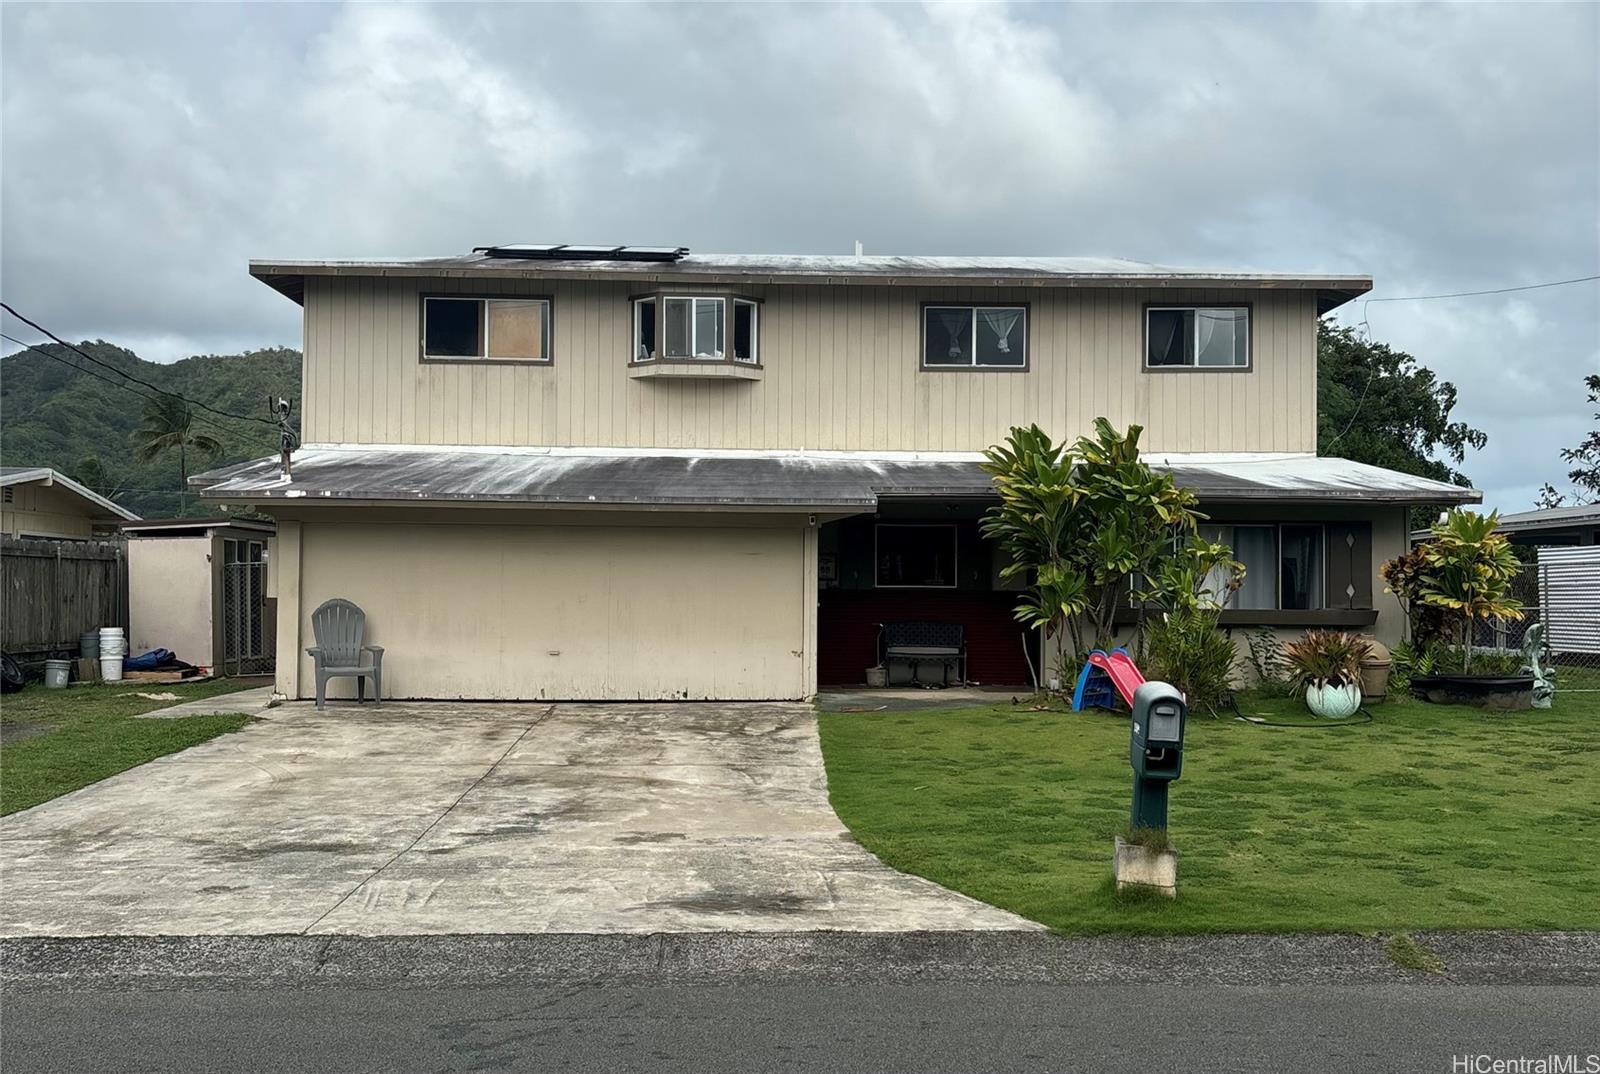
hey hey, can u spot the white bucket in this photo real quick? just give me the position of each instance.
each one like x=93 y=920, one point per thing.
x=113 y=642
x=110 y=667
x=56 y=672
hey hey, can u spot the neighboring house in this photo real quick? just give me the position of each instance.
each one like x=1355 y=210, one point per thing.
x=562 y=472
x=62 y=570
x=39 y=502
x=1546 y=528
x=199 y=587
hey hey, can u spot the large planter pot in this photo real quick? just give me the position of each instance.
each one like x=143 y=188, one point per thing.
x=1334 y=700
x=1375 y=670
x=1506 y=692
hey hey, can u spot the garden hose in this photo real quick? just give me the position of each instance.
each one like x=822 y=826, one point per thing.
x=1257 y=721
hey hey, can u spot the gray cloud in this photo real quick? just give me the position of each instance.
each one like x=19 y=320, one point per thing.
x=148 y=152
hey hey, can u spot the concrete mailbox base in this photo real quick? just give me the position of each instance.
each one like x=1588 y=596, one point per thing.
x=1136 y=866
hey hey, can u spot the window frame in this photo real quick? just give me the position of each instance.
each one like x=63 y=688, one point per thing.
x=1277 y=563
x=955 y=552
x=483 y=301
x=658 y=348
x=1249 y=337
x=974 y=367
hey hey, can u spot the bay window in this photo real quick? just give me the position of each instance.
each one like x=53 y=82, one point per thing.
x=695 y=328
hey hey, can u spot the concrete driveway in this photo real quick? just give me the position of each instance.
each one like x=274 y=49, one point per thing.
x=455 y=818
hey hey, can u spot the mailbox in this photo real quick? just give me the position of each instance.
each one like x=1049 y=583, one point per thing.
x=1155 y=750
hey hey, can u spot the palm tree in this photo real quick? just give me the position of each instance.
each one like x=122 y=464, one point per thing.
x=168 y=424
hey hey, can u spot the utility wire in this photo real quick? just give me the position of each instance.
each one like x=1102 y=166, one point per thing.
x=114 y=383
x=122 y=373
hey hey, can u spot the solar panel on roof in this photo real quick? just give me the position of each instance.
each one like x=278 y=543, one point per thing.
x=559 y=252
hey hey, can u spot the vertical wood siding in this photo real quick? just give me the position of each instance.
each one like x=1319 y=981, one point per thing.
x=841 y=371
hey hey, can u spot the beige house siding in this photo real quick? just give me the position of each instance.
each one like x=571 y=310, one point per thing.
x=841 y=371
x=38 y=510
x=515 y=610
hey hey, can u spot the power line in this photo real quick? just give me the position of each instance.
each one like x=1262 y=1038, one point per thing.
x=1491 y=291
x=123 y=373
x=101 y=376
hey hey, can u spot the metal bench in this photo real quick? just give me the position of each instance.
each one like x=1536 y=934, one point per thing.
x=921 y=642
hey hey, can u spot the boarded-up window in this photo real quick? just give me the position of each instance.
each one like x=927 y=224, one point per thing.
x=517 y=330
x=500 y=329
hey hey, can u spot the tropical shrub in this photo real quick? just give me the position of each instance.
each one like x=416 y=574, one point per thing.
x=1186 y=649
x=1089 y=526
x=1326 y=658
x=1403 y=577
x=1468 y=570
x=1267 y=659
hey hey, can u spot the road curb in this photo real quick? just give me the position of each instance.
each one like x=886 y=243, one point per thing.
x=180 y=962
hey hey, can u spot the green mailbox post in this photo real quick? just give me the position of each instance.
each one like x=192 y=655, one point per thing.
x=1156 y=750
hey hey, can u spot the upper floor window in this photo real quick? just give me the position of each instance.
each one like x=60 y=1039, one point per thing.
x=1197 y=337
x=974 y=337
x=486 y=329
x=696 y=328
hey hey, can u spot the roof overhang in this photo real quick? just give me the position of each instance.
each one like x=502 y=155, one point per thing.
x=43 y=475
x=1333 y=289
x=733 y=480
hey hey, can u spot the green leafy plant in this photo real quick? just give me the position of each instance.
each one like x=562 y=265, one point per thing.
x=1468 y=570
x=1187 y=650
x=1404 y=577
x=1326 y=657
x=1086 y=525
x=1271 y=666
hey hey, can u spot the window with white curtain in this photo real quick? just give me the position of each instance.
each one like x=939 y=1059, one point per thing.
x=1284 y=565
x=1197 y=337
x=975 y=337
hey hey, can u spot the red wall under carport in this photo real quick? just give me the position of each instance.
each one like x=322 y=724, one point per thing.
x=847 y=630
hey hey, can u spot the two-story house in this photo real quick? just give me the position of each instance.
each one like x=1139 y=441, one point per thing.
x=612 y=472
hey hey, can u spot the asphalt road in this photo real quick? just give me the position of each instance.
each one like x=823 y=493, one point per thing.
x=832 y=1003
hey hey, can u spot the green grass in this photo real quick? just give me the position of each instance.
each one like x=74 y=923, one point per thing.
x=1428 y=817
x=80 y=735
x=1409 y=954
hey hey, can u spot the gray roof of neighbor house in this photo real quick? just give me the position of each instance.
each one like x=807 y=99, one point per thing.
x=1549 y=518
x=785 y=480
x=1333 y=288
x=20 y=475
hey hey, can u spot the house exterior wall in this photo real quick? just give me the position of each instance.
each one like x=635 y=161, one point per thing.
x=170 y=597
x=38 y=510
x=841 y=370
x=480 y=607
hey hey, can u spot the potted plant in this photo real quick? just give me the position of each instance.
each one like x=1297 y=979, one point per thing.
x=1328 y=663
x=1465 y=574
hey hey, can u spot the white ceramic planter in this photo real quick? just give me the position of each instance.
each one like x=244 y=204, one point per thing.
x=1334 y=702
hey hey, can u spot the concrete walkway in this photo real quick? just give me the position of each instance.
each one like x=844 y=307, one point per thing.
x=458 y=818
x=252 y=702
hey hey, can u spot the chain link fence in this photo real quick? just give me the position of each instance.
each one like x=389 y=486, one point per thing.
x=1559 y=589
x=246 y=645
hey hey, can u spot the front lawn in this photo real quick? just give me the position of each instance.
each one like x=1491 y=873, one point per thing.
x=55 y=741
x=1428 y=817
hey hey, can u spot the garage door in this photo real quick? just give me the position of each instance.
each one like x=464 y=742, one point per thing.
x=568 y=612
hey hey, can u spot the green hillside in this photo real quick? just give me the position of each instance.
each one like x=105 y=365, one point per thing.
x=51 y=415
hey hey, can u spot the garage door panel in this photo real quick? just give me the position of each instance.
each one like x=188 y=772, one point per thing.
x=560 y=612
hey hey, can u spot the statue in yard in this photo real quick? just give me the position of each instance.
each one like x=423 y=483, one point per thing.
x=1544 y=687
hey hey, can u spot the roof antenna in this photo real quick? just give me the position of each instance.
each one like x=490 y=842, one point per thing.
x=858 y=248
x=287 y=440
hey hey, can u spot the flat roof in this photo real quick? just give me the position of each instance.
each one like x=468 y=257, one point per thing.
x=1333 y=288
x=780 y=480
x=167 y=527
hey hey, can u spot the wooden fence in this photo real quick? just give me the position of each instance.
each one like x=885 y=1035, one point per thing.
x=56 y=590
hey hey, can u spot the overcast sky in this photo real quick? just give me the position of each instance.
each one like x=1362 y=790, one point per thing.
x=150 y=151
